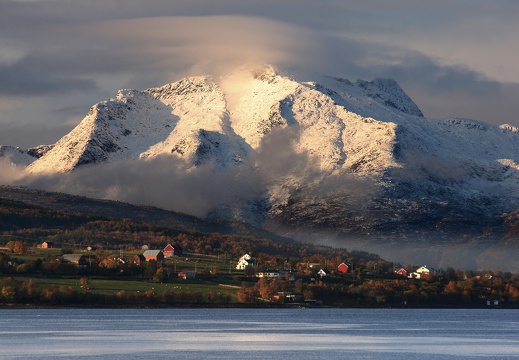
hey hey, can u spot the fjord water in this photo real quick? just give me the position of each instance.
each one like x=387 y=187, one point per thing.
x=259 y=334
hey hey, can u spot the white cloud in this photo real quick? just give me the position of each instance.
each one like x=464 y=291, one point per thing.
x=9 y=173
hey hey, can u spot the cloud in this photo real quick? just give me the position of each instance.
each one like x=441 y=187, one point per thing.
x=213 y=44
x=168 y=182
x=9 y=173
x=162 y=181
x=289 y=173
x=31 y=75
x=26 y=136
x=276 y=169
x=439 y=90
x=446 y=55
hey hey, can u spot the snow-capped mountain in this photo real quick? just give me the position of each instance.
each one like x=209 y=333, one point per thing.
x=202 y=118
x=349 y=163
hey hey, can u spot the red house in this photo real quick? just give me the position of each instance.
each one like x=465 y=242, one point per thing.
x=157 y=255
x=345 y=268
x=172 y=250
x=47 y=245
x=403 y=272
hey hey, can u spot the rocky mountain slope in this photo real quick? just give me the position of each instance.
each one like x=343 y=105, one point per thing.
x=346 y=163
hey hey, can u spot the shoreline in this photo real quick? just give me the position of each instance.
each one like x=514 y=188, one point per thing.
x=249 y=306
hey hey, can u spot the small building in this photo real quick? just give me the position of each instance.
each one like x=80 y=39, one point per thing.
x=288 y=297
x=157 y=255
x=172 y=250
x=402 y=272
x=420 y=273
x=345 y=268
x=79 y=260
x=492 y=302
x=268 y=274
x=323 y=273
x=13 y=262
x=245 y=261
x=47 y=245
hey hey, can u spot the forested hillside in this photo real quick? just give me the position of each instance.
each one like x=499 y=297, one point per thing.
x=120 y=210
x=35 y=224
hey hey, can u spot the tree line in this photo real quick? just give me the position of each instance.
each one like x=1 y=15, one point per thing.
x=361 y=288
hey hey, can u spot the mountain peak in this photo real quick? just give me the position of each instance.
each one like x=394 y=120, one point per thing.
x=186 y=86
x=389 y=93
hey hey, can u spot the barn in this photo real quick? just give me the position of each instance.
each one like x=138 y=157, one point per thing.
x=345 y=268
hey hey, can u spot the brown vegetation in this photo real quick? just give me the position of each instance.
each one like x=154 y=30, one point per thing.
x=372 y=283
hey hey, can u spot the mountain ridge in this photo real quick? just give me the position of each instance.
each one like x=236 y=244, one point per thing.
x=333 y=161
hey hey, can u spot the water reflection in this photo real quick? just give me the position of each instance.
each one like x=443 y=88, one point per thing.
x=259 y=334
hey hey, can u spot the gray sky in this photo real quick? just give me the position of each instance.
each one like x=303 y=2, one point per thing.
x=59 y=57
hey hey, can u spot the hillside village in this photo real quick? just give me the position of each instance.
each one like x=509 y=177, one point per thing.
x=254 y=279
x=51 y=257
x=246 y=263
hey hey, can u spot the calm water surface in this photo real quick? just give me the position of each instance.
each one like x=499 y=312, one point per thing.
x=259 y=334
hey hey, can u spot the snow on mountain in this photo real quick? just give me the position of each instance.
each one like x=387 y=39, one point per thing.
x=187 y=119
x=203 y=131
x=338 y=159
x=20 y=157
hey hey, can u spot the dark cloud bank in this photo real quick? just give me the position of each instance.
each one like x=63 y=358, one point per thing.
x=57 y=51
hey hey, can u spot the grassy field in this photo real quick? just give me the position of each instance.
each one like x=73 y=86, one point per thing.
x=214 y=274
x=104 y=286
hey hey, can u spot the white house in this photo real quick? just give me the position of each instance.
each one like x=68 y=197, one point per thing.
x=245 y=260
x=420 y=272
x=268 y=274
x=323 y=272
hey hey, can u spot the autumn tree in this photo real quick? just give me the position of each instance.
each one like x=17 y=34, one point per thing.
x=18 y=247
x=8 y=294
x=4 y=259
x=450 y=274
x=248 y=295
x=84 y=282
x=264 y=289
x=30 y=290
x=150 y=269
x=160 y=275
x=109 y=262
